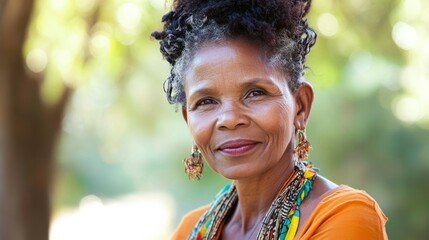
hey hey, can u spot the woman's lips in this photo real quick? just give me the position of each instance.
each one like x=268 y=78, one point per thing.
x=237 y=147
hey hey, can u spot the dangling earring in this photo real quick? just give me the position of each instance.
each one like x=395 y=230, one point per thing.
x=194 y=164
x=302 y=145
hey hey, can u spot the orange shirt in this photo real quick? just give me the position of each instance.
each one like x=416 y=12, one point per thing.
x=343 y=213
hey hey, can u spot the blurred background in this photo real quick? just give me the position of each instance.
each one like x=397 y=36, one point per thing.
x=116 y=170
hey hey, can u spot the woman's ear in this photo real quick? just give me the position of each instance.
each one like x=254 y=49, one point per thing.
x=304 y=99
x=185 y=114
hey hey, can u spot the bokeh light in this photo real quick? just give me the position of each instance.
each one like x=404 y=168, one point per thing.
x=129 y=15
x=405 y=36
x=100 y=43
x=408 y=109
x=37 y=60
x=327 y=24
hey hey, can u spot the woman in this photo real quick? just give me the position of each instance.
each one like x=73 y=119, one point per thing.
x=237 y=70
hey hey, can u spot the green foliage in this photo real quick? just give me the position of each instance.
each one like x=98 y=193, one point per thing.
x=368 y=127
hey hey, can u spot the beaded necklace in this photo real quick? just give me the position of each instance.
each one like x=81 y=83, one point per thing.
x=280 y=222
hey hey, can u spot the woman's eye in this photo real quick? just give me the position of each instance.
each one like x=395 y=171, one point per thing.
x=255 y=93
x=205 y=101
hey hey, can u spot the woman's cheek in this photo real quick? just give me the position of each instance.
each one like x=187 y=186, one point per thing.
x=273 y=116
x=201 y=129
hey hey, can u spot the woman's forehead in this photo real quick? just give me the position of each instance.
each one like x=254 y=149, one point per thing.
x=231 y=63
x=236 y=51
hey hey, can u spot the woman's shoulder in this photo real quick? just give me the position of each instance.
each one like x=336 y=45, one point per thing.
x=344 y=194
x=188 y=222
x=345 y=212
x=344 y=197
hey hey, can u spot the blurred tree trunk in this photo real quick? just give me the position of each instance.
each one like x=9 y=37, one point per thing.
x=28 y=130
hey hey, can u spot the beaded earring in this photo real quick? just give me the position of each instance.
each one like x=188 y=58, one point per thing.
x=302 y=147
x=194 y=164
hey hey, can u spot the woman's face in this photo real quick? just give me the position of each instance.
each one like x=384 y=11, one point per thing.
x=239 y=109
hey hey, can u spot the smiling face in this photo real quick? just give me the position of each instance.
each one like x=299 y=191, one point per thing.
x=240 y=110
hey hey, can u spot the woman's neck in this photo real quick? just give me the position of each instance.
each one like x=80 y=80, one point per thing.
x=256 y=195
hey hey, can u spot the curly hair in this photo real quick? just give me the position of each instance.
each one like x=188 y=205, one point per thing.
x=279 y=24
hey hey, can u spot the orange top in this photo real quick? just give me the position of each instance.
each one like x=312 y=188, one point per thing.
x=343 y=213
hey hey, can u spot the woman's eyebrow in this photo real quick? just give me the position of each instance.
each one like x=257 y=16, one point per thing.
x=256 y=81
x=201 y=88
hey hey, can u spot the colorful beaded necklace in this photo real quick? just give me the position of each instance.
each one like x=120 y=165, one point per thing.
x=281 y=220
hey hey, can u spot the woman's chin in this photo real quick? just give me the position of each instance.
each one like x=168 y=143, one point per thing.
x=237 y=172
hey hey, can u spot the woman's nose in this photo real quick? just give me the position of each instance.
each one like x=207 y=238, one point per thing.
x=232 y=116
